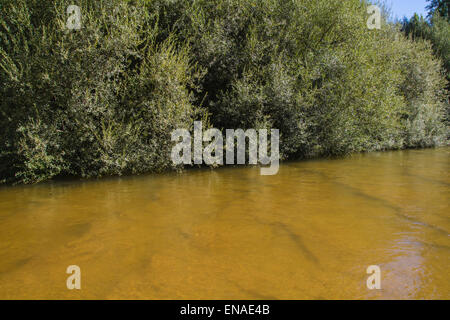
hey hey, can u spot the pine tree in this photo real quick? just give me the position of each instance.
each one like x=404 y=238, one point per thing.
x=440 y=6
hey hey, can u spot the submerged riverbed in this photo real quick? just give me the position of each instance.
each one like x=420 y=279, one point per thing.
x=309 y=232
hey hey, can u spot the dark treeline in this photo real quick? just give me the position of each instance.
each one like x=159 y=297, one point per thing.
x=104 y=100
x=436 y=29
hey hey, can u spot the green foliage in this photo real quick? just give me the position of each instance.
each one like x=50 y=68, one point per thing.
x=98 y=101
x=437 y=32
x=311 y=69
x=103 y=100
x=442 y=7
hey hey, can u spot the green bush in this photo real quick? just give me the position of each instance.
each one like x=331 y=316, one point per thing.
x=103 y=100
x=312 y=69
x=98 y=101
x=436 y=30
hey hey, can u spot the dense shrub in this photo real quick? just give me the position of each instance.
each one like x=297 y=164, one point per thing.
x=104 y=100
x=101 y=100
x=436 y=30
x=312 y=69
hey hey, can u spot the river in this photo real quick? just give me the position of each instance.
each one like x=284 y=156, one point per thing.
x=309 y=232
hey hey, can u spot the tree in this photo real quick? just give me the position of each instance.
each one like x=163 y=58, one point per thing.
x=441 y=6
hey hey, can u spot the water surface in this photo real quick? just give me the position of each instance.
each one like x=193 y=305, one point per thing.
x=309 y=232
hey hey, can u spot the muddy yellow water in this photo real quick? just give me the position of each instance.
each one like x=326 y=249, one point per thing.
x=309 y=232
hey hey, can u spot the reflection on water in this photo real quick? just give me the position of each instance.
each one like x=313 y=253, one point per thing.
x=309 y=232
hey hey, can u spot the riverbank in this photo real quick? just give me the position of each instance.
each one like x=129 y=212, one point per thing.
x=102 y=99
